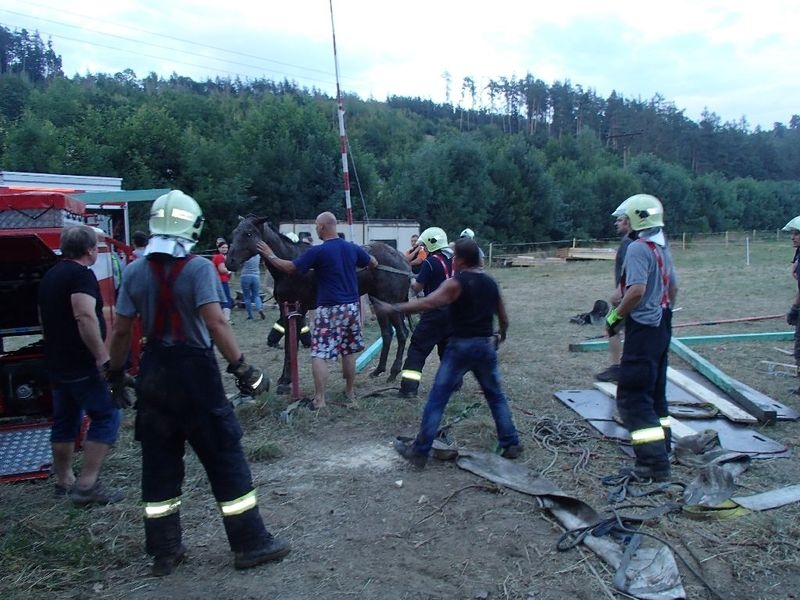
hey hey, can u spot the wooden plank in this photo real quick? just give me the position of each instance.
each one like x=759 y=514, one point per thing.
x=776 y=367
x=595 y=345
x=679 y=429
x=739 y=392
x=726 y=407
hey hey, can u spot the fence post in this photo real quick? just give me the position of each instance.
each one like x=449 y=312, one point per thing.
x=726 y=238
x=574 y=242
x=683 y=241
x=491 y=247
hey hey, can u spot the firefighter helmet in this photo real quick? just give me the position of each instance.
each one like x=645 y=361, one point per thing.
x=793 y=224
x=433 y=238
x=620 y=210
x=292 y=236
x=176 y=215
x=468 y=233
x=644 y=211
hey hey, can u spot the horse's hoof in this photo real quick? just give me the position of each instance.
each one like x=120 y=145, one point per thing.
x=377 y=372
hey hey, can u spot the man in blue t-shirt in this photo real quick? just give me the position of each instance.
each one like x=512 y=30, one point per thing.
x=337 y=321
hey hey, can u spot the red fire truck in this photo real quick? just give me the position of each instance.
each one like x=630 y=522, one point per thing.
x=30 y=230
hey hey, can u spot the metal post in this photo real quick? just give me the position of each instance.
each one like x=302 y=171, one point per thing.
x=291 y=322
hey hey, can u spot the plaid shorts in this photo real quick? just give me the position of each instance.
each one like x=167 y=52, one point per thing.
x=337 y=330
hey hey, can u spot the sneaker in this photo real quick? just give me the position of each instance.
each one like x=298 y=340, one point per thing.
x=645 y=474
x=165 y=564
x=406 y=450
x=262 y=315
x=97 y=494
x=610 y=374
x=511 y=452
x=274 y=550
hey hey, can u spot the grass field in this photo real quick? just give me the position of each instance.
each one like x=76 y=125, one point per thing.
x=48 y=547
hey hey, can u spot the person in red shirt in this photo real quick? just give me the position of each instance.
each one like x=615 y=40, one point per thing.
x=224 y=276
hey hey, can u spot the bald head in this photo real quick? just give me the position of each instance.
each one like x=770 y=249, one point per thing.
x=326 y=226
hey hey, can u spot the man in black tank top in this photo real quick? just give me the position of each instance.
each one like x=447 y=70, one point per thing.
x=474 y=299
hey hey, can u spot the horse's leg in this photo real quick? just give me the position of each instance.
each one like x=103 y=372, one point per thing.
x=398 y=321
x=386 y=339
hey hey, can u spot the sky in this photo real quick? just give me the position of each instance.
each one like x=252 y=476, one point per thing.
x=739 y=59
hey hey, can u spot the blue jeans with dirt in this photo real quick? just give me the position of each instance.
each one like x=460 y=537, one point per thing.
x=461 y=356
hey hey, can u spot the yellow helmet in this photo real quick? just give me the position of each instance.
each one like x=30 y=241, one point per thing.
x=433 y=238
x=176 y=215
x=644 y=211
x=793 y=224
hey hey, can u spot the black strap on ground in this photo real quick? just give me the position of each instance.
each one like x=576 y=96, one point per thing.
x=628 y=486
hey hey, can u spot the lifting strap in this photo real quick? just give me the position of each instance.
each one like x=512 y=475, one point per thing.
x=166 y=309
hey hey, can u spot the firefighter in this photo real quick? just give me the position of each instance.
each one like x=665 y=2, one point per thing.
x=793 y=316
x=648 y=286
x=180 y=392
x=279 y=327
x=434 y=325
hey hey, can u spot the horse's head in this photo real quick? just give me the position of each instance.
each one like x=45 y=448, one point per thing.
x=243 y=241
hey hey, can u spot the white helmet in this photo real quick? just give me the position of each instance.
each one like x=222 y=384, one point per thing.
x=467 y=233
x=176 y=221
x=433 y=238
x=292 y=236
x=793 y=224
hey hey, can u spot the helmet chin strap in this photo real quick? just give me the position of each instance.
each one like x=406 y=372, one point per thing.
x=171 y=245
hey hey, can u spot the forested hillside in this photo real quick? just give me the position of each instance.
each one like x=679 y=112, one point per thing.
x=539 y=162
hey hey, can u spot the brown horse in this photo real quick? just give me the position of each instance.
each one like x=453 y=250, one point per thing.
x=388 y=282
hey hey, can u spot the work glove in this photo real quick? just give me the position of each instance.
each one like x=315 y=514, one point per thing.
x=613 y=323
x=122 y=388
x=250 y=380
x=793 y=315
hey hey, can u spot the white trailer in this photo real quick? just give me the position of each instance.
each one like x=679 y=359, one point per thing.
x=395 y=232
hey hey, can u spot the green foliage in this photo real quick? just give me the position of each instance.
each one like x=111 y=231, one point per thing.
x=534 y=162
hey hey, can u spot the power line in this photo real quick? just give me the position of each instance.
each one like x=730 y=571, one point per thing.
x=155 y=34
x=137 y=52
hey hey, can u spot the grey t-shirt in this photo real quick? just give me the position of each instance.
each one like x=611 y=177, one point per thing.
x=197 y=285
x=252 y=266
x=641 y=267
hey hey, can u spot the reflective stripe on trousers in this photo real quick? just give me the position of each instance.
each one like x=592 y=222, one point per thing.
x=412 y=375
x=239 y=505
x=156 y=510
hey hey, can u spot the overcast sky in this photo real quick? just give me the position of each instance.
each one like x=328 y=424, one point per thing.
x=736 y=58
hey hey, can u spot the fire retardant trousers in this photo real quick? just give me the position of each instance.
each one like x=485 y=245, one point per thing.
x=641 y=391
x=432 y=330
x=181 y=399
x=279 y=330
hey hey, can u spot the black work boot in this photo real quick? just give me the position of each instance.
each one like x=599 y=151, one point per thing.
x=272 y=551
x=408 y=388
x=164 y=564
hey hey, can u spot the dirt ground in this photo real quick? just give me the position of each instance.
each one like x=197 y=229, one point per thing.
x=364 y=524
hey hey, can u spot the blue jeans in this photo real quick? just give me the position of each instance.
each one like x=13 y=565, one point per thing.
x=74 y=397
x=460 y=356
x=251 y=288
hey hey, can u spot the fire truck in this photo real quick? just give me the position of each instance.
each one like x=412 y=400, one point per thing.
x=30 y=231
